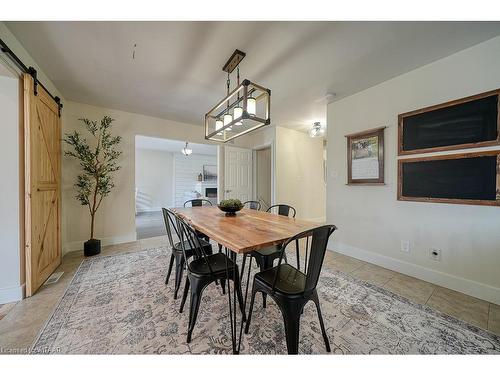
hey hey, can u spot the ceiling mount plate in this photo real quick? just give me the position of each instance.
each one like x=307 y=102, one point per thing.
x=233 y=61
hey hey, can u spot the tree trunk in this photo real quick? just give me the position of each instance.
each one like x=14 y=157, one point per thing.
x=92 y=226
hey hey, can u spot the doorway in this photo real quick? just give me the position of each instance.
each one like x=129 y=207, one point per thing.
x=263 y=177
x=165 y=177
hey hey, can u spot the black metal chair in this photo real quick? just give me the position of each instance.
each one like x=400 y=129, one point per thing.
x=265 y=257
x=197 y=202
x=203 y=270
x=177 y=253
x=253 y=205
x=292 y=288
x=282 y=209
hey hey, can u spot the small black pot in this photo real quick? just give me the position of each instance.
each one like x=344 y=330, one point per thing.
x=92 y=247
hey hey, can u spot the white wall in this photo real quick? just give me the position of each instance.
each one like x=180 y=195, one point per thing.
x=10 y=204
x=154 y=179
x=299 y=173
x=263 y=175
x=12 y=272
x=372 y=222
x=115 y=220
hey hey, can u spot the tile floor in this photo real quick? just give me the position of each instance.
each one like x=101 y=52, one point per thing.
x=20 y=322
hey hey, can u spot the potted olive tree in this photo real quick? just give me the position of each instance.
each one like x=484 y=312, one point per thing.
x=98 y=160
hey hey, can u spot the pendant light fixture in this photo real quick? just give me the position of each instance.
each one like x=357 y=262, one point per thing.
x=244 y=109
x=186 y=150
x=317 y=130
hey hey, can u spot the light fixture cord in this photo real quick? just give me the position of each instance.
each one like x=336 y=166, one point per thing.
x=228 y=84
x=238 y=80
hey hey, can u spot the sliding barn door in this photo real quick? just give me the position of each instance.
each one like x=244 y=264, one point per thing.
x=42 y=135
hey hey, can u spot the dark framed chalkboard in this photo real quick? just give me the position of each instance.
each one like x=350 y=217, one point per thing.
x=472 y=178
x=464 y=123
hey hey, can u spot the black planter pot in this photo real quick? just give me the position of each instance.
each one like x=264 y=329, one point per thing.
x=92 y=247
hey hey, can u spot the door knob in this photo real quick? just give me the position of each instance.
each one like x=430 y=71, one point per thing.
x=228 y=191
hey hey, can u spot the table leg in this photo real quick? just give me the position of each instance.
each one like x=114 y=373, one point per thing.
x=235 y=338
x=233 y=327
x=246 y=295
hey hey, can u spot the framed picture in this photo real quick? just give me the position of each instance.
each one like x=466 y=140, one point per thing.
x=365 y=157
x=209 y=173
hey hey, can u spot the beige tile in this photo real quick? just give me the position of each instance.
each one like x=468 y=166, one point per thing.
x=494 y=319
x=5 y=308
x=152 y=242
x=20 y=327
x=409 y=287
x=344 y=263
x=373 y=274
x=461 y=306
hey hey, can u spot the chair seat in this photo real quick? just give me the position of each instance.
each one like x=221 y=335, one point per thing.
x=206 y=246
x=217 y=263
x=290 y=280
x=267 y=251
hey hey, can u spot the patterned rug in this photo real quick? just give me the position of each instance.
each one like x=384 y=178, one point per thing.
x=120 y=304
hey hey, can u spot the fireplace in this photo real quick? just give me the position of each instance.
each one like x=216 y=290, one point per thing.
x=211 y=192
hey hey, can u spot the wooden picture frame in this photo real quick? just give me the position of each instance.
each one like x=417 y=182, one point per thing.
x=403 y=116
x=448 y=200
x=363 y=143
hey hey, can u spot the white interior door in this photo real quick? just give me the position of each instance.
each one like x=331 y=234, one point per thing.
x=237 y=173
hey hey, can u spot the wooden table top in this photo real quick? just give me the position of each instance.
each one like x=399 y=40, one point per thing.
x=249 y=230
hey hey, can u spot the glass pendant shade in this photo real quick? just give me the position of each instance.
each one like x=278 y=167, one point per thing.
x=219 y=124
x=227 y=119
x=316 y=130
x=186 y=150
x=237 y=113
x=251 y=106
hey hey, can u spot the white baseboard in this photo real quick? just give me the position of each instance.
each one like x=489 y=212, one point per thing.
x=469 y=287
x=11 y=294
x=78 y=245
x=151 y=209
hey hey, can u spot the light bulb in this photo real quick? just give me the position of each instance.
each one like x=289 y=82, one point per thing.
x=251 y=106
x=237 y=113
x=227 y=119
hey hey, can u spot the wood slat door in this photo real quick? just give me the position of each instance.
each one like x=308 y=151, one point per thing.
x=42 y=147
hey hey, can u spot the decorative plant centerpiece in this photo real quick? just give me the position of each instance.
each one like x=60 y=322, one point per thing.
x=230 y=206
x=98 y=161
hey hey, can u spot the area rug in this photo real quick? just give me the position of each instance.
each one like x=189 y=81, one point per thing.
x=120 y=304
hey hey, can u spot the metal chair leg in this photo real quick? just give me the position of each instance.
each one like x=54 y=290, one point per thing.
x=321 y=324
x=170 y=266
x=184 y=295
x=179 y=269
x=249 y=317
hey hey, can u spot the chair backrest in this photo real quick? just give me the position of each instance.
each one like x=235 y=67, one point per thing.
x=283 y=209
x=315 y=241
x=170 y=223
x=197 y=202
x=253 y=205
x=191 y=242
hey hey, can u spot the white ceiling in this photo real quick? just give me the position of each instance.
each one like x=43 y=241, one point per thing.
x=151 y=143
x=177 y=70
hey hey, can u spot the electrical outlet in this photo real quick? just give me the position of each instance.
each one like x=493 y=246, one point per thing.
x=435 y=254
x=405 y=246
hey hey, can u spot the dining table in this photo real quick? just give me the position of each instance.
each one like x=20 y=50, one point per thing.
x=246 y=231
